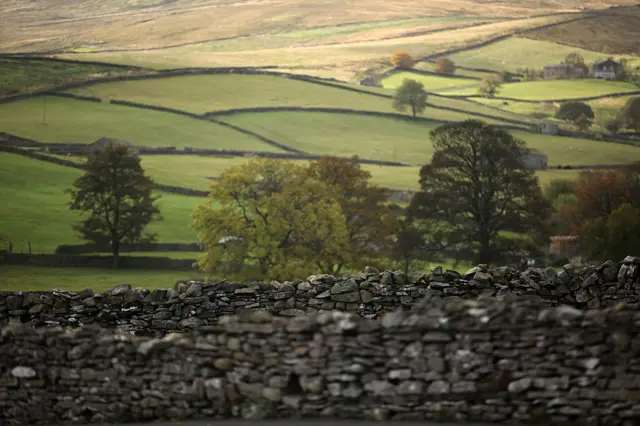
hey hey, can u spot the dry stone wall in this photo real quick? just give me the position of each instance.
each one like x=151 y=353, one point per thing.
x=195 y=304
x=490 y=359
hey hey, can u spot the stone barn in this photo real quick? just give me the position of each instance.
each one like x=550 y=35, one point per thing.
x=548 y=128
x=536 y=160
x=101 y=144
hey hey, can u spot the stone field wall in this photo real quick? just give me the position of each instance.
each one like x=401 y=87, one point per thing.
x=467 y=360
x=192 y=304
x=494 y=345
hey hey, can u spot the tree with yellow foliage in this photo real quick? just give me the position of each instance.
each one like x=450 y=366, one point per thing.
x=269 y=219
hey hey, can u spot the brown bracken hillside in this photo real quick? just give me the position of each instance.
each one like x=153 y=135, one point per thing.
x=617 y=31
x=64 y=24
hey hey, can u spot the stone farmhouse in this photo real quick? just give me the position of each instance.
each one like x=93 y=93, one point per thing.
x=608 y=69
x=561 y=71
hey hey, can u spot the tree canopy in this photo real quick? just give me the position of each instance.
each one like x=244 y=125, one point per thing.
x=402 y=59
x=630 y=114
x=370 y=219
x=117 y=194
x=573 y=110
x=574 y=59
x=445 y=65
x=275 y=219
x=490 y=86
x=410 y=94
x=269 y=219
x=613 y=236
x=601 y=192
x=478 y=187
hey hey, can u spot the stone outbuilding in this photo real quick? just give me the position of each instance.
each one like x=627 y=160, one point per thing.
x=101 y=144
x=548 y=128
x=369 y=82
x=536 y=160
x=561 y=72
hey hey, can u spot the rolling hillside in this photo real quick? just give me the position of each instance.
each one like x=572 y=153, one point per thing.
x=156 y=23
x=72 y=121
x=615 y=32
x=514 y=53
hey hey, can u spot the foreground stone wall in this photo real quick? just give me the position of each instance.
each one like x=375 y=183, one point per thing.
x=194 y=304
x=492 y=359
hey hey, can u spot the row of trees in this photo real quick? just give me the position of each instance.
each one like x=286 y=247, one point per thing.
x=277 y=219
x=443 y=65
x=602 y=208
x=412 y=94
x=582 y=116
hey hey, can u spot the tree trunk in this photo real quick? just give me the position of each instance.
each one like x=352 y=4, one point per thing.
x=115 y=250
x=413 y=109
x=484 y=256
x=407 y=260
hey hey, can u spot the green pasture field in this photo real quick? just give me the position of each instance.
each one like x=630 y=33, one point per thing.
x=518 y=107
x=73 y=121
x=430 y=82
x=478 y=108
x=555 y=89
x=563 y=150
x=20 y=75
x=178 y=170
x=443 y=101
x=35 y=278
x=546 y=176
x=35 y=206
x=431 y=66
x=172 y=254
x=189 y=171
x=206 y=93
x=514 y=53
x=383 y=138
x=370 y=137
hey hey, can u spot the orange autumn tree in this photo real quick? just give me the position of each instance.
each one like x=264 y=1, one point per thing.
x=445 y=65
x=601 y=192
x=402 y=59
